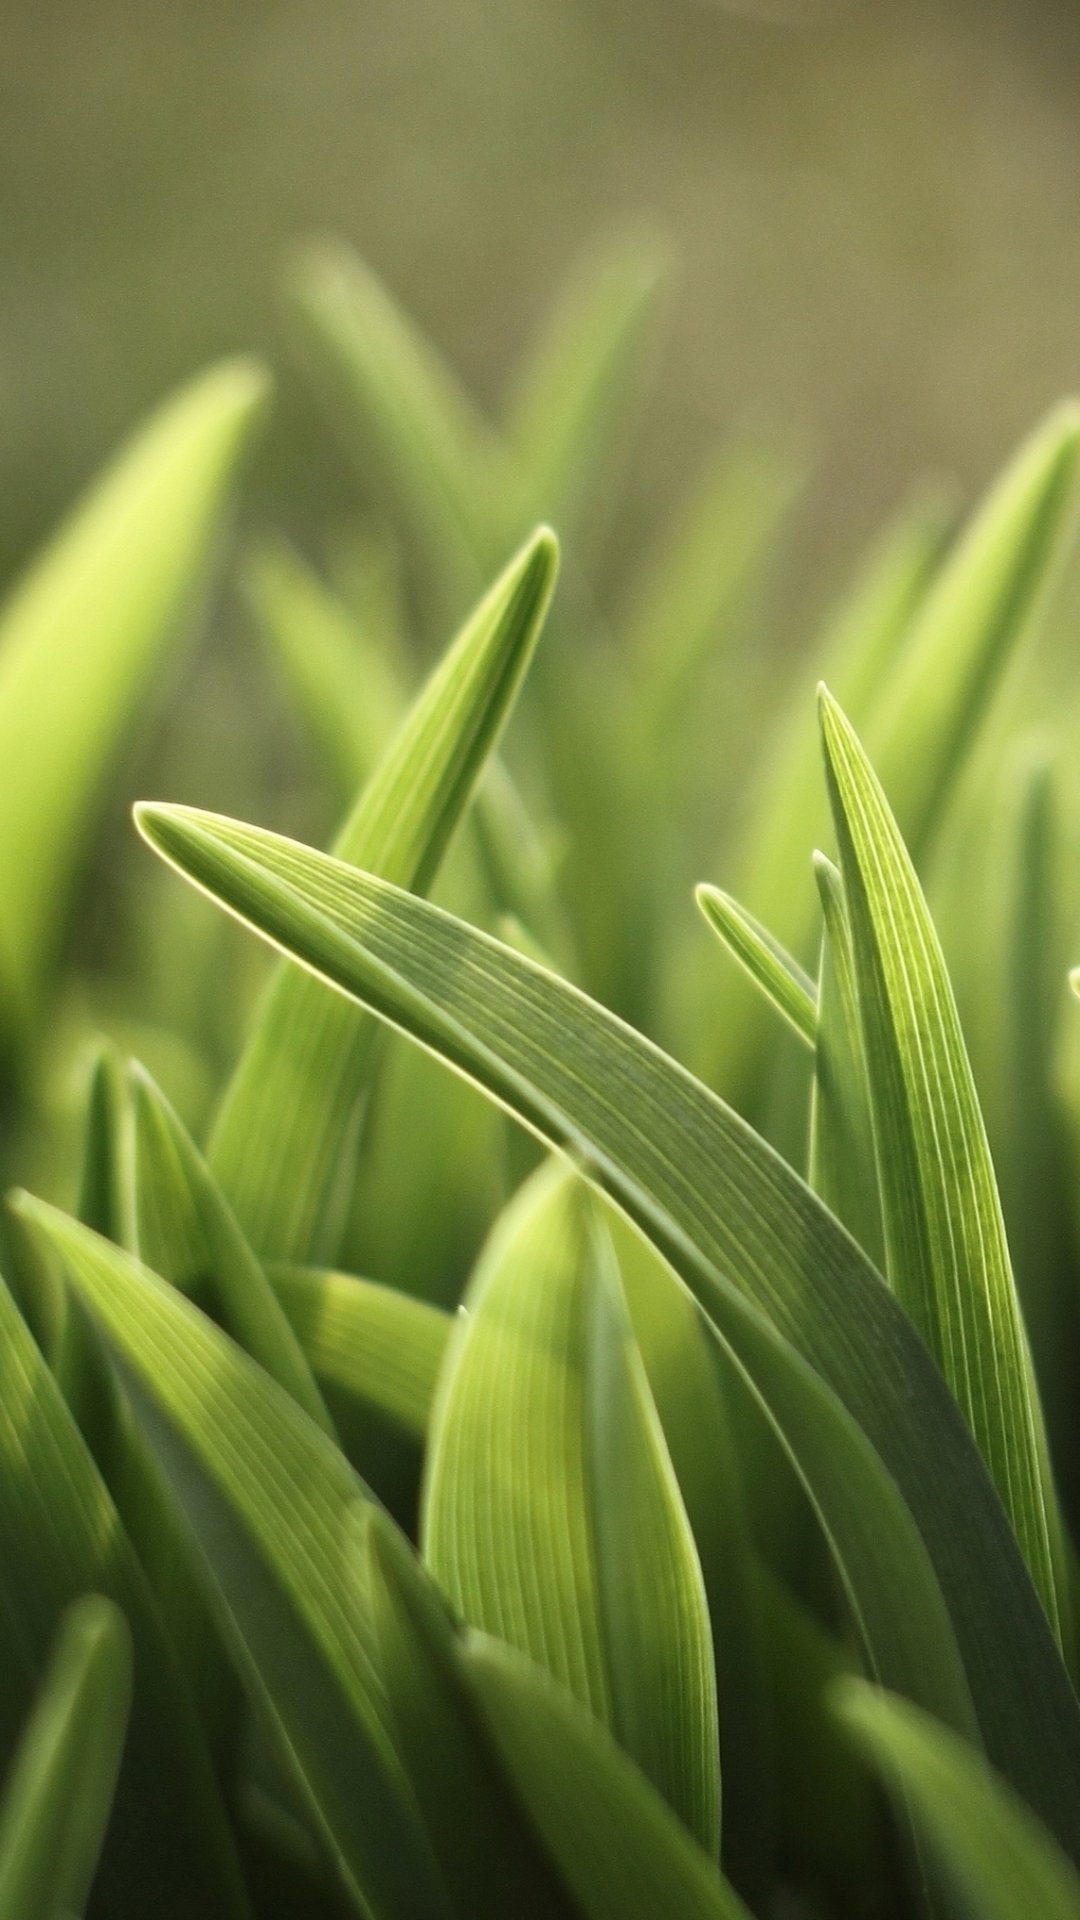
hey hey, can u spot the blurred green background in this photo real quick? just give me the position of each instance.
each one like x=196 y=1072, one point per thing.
x=873 y=209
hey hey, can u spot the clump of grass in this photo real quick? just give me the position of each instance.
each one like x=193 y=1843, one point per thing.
x=717 y=1557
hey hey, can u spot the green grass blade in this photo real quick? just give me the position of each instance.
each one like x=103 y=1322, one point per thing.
x=831 y=1354
x=283 y=1143
x=946 y=1252
x=185 y=1230
x=620 y=1850
x=781 y=979
x=581 y=383
x=58 y=1793
x=490 y=1858
x=842 y=1165
x=79 y=638
x=60 y=1537
x=381 y=384
x=549 y=1481
x=270 y=1502
x=995 y=1856
x=368 y=1342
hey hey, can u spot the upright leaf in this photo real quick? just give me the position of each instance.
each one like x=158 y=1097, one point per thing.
x=842 y=1164
x=551 y=1507
x=283 y=1145
x=79 y=638
x=781 y=979
x=58 y=1793
x=945 y=1246
x=909 y=1509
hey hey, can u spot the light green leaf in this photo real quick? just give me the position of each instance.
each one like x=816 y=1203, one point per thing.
x=828 y=1350
x=382 y=385
x=373 y=1343
x=79 y=638
x=184 y=1229
x=271 y=1503
x=283 y=1145
x=780 y=978
x=60 y=1537
x=842 y=1165
x=995 y=1856
x=620 y=1850
x=946 y=1253
x=550 y=1500
x=59 y=1789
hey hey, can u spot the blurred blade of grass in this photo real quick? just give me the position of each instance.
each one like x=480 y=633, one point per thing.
x=78 y=640
x=548 y=1481
x=269 y=1500
x=930 y=1564
x=284 y=1141
x=946 y=1252
x=994 y=1855
x=59 y=1789
x=370 y=1342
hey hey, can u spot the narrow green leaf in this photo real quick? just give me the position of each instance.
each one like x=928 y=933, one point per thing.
x=374 y=1343
x=994 y=1855
x=59 y=1789
x=550 y=1501
x=381 y=383
x=185 y=1230
x=842 y=1165
x=946 y=1252
x=780 y=978
x=80 y=635
x=826 y=1347
x=270 y=1502
x=283 y=1143
x=60 y=1537
x=620 y=1850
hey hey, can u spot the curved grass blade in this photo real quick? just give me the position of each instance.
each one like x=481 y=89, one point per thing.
x=491 y=1859
x=270 y=1501
x=79 y=637
x=620 y=1850
x=946 y=1252
x=370 y=1342
x=60 y=1537
x=830 y=1353
x=842 y=1165
x=780 y=978
x=283 y=1143
x=380 y=381
x=184 y=1229
x=996 y=1857
x=551 y=1505
x=59 y=1790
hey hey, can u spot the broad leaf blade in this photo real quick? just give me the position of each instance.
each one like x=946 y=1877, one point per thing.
x=58 y=1792
x=372 y=1343
x=549 y=1483
x=79 y=638
x=283 y=1143
x=993 y=1853
x=620 y=1850
x=946 y=1252
x=831 y=1354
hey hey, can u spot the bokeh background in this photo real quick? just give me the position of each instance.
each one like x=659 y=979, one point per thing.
x=874 y=210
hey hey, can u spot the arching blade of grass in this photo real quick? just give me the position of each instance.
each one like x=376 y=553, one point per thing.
x=551 y=1502
x=842 y=1164
x=382 y=383
x=270 y=1501
x=619 y=1848
x=371 y=1343
x=994 y=1855
x=79 y=637
x=781 y=979
x=283 y=1144
x=61 y=1537
x=185 y=1230
x=55 y=1802
x=579 y=387
x=946 y=1253
x=870 y=1425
